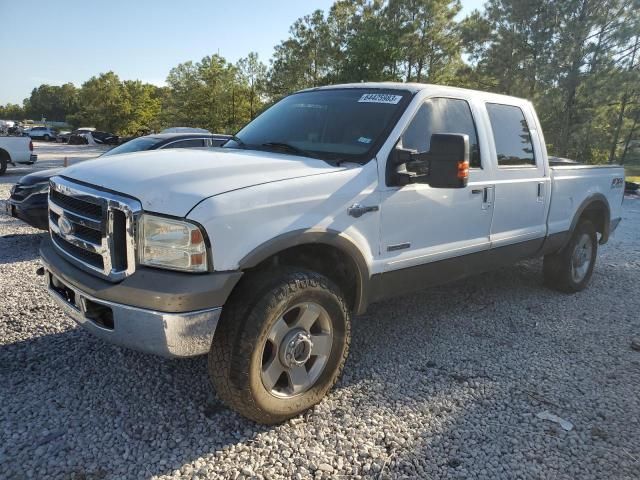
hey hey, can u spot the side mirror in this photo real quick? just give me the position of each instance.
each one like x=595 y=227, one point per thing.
x=449 y=160
x=445 y=165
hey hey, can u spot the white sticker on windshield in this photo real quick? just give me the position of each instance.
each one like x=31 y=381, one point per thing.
x=364 y=140
x=380 y=98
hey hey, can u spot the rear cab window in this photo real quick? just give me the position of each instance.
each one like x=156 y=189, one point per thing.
x=511 y=136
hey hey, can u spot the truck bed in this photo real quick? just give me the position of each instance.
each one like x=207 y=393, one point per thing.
x=573 y=183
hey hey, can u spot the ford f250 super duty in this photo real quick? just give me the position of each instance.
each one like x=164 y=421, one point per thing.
x=259 y=253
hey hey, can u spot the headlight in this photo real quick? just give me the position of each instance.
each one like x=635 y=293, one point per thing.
x=173 y=244
x=26 y=190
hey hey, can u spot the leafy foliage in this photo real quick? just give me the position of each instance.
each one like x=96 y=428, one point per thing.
x=578 y=61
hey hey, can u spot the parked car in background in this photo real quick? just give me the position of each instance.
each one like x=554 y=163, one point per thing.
x=63 y=136
x=16 y=150
x=78 y=136
x=17 y=130
x=259 y=254
x=45 y=133
x=91 y=137
x=185 y=130
x=105 y=138
x=28 y=200
x=170 y=140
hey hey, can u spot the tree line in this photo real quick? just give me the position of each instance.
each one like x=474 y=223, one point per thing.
x=578 y=61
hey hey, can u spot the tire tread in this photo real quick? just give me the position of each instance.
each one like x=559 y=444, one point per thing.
x=241 y=324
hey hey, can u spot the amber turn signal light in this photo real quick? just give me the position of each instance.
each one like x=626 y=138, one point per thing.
x=463 y=170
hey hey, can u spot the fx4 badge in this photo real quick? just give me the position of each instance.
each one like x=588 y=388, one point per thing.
x=617 y=182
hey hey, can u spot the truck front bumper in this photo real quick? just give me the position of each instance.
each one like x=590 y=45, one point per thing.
x=183 y=331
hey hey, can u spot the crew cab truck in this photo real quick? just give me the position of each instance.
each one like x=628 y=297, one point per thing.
x=16 y=150
x=260 y=252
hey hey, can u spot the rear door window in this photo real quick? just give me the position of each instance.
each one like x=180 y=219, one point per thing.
x=511 y=135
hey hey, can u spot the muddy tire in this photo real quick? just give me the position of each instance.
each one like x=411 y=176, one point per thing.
x=281 y=344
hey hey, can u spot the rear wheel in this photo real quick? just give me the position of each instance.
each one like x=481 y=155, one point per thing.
x=47 y=138
x=570 y=269
x=3 y=165
x=281 y=344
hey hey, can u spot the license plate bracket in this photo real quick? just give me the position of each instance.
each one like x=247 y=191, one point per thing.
x=66 y=293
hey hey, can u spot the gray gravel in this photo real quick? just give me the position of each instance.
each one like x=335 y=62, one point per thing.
x=446 y=383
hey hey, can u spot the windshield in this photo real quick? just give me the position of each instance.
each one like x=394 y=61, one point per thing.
x=333 y=124
x=135 y=145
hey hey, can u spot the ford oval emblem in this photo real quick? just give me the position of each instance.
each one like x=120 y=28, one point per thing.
x=65 y=226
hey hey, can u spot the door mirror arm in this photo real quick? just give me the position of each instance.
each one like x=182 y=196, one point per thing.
x=407 y=166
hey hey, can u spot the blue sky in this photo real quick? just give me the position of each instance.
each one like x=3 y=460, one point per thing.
x=70 y=41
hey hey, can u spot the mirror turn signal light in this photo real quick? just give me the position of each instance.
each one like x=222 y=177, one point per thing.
x=463 y=170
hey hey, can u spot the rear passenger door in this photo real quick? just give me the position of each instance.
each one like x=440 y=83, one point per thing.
x=521 y=183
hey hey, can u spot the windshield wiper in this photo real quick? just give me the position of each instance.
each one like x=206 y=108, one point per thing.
x=290 y=148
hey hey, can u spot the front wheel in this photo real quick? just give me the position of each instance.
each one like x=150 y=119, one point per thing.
x=570 y=269
x=281 y=344
x=47 y=138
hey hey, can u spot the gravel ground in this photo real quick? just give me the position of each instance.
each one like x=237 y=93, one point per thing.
x=446 y=383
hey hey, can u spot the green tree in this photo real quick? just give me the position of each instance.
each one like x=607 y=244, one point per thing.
x=572 y=58
x=253 y=76
x=429 y=38
x=103 y=103
x=52 y=102
x=303 y=60
x=12 y=111
x=145 y=107
x=209 y=94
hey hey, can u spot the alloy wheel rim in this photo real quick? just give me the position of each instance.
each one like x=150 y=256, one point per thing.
x=581 y=258
x=296 y=350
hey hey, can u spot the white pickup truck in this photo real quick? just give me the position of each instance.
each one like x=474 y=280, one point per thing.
x=260 y=252
x=16 y=150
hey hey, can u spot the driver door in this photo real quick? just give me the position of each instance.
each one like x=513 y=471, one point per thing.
x=424 y=227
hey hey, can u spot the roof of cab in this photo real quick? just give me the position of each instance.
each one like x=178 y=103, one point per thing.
x=177 y=136
x=416 y=87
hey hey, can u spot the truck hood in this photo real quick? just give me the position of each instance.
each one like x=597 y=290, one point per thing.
x=173 y=181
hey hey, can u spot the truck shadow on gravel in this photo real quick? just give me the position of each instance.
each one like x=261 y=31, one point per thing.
x=20 y=247
x=442 y=382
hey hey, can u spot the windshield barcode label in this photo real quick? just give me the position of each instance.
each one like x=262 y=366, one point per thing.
x=380 y=98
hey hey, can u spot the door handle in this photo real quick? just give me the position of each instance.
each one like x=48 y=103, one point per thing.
x=356 y=210
x=487 y=198
x=540 y=192
x=477 y=191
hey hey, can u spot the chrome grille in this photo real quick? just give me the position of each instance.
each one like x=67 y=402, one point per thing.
x=93 y=229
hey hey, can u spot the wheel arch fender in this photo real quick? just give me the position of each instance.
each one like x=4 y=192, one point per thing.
x=288 y=242
x=596 y=207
